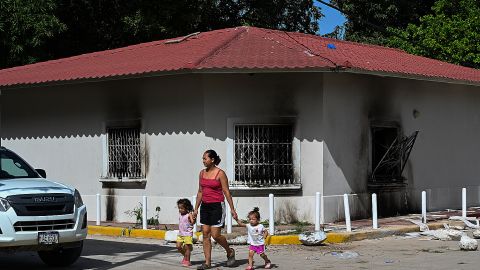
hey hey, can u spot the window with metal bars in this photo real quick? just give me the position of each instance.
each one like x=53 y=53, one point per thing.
x=124 y=148
x=263 y=155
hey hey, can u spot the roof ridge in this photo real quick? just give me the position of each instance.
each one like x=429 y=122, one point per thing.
x=94 y=54
x=220 y=47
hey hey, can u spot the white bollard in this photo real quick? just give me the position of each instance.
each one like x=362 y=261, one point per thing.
x=346 y=206
x=228 y=218
x=374 y=211
x=424 y=207
x=464 y=202
x=144 y=213
x=271 y=222
x=317 y=211
x=194 y=201
x=322 y=210
x=99 y=209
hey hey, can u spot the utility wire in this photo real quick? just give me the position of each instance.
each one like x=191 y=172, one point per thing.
x=310 y=51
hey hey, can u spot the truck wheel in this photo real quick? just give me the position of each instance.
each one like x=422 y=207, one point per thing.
x=62 y=256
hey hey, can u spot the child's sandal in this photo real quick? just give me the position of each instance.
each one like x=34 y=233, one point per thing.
x=204 y=266
x=268 y=265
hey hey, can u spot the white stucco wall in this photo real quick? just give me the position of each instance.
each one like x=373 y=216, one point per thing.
x=60 y=129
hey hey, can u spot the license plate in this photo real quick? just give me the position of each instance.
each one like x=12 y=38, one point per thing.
x=48 y=238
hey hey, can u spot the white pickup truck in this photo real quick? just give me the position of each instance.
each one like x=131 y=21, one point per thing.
x=38 y=214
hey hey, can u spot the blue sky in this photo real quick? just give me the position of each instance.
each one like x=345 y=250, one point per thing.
x=332 y=18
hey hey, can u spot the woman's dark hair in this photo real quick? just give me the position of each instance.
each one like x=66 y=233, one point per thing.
x=255 y=212
x=213 y=155
x=186 y=203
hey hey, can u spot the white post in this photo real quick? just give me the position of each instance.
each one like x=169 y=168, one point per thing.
x=424 y=207
x=374 y=211
x=317 y=211
x=194 y=201
x=271 y=222
x=144 y=213
x=347 y=212
x=228 y=218
x=99 y=209
x=464 y=202
x=322 y=209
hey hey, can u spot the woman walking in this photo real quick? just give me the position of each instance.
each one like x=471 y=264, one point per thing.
x=212 y=191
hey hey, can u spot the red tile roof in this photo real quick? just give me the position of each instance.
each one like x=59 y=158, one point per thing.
x=235 y=49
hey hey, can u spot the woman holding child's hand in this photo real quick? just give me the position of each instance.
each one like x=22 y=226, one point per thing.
x=212 y=192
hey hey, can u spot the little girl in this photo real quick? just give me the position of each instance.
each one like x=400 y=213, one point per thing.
x=185 y=230
x=256 y=235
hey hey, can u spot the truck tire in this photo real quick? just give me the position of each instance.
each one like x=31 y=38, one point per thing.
x=61 y=256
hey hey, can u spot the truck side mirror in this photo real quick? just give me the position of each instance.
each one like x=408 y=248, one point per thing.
x=41 y=172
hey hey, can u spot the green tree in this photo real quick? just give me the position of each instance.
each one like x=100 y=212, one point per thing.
x=40 y=30
x=451 y=33
x=25 y=27
x=367 y=19
x=170 y=18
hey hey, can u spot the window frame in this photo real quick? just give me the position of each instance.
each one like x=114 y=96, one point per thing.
x=371 y=167
x=137 y=124
x=267 y=120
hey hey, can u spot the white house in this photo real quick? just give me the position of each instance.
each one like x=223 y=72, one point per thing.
x=289 y=114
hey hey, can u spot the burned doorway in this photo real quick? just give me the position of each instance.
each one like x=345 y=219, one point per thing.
x=390 y=150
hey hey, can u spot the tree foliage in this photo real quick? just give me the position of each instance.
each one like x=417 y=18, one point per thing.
x=367 y=19
x=39 y=30
x=451 y=33
x=25 y=27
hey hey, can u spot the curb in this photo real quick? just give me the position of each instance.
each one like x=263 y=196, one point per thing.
x=332 y=237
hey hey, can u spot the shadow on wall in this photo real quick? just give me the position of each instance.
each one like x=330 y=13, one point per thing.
x=177 y=104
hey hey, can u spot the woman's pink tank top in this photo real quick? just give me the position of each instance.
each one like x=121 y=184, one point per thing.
x=211 y=189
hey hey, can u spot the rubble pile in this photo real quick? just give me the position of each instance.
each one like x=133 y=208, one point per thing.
x=312 y=238
x=467 y=243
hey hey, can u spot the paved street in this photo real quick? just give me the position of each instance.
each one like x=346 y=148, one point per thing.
x=144 y=254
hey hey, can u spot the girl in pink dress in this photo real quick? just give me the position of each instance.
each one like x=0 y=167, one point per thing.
x=185 y=230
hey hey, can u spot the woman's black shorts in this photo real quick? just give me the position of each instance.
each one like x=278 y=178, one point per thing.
x=212 y=214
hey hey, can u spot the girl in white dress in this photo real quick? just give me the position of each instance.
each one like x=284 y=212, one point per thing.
x=256 y=238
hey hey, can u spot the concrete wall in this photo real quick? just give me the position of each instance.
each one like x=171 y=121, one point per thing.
x=443 y=160
x=61 y=129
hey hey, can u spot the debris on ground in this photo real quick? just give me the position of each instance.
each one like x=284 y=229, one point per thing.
x=467 y=243
x=312 y=238
x=412 y=235
x=476 y=234
x=438 y=235
x=239 y=240
x=423 y=226
x=344 y=254
x=454 y=234
x=171 y=236
x=467 y=221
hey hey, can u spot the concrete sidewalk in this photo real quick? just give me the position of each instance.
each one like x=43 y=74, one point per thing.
x=361 y=229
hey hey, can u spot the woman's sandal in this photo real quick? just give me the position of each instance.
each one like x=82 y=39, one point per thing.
x=204 y=266
x=231 y=258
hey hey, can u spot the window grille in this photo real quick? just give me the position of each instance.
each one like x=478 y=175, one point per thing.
x=124 y=159
x=263 y=155
x=390 y=152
